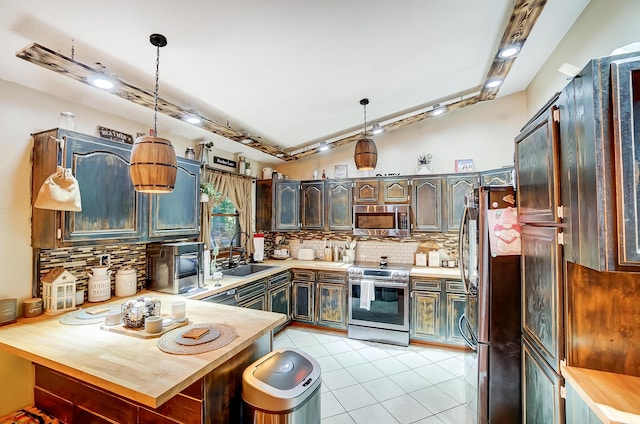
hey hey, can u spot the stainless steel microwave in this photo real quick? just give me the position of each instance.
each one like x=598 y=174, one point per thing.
x=175 y=268
x=381 y=220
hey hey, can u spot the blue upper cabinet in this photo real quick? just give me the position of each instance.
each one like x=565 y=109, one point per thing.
x=177 y=213
x=112 y=211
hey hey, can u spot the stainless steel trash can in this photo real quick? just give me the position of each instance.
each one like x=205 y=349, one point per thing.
x=283 y=387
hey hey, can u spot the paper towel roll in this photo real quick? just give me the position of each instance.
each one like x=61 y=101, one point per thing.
x=258 y=245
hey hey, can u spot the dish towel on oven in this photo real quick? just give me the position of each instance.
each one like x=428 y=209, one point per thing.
x=367 y=293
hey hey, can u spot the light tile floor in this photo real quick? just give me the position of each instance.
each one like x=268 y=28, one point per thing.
x=375 y=383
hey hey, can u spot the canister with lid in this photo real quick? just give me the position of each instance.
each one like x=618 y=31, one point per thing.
x=126 y=282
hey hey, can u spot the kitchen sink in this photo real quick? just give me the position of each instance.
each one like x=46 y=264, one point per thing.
x=244 y=270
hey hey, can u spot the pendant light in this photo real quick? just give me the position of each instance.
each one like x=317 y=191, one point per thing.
x=366 y=154
x=153 y=160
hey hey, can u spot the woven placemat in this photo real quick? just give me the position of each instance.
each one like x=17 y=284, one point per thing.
x=167 y=343
x=73 y=318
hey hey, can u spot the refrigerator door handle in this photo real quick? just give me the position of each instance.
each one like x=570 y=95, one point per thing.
x=461 y=236
x=467 y=334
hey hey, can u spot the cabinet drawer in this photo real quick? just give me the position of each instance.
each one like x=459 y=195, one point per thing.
x=252 y=289
x=333 y=276
x=432 y=285
x=278 y=279
x=455 y=287
x=302 y=274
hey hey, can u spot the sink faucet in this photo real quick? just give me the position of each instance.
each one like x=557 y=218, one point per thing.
x=239 y=233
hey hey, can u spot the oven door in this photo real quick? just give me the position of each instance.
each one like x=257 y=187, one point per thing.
x=389 y=309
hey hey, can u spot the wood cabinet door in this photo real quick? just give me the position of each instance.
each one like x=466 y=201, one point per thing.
x=258 y=303
x=576 y=410
x=625 y=76
x=287 y=205
x=111 y=208
x=541 y=400
x=455 y=309
x=339 y=205
x=497 y=177
x=312 y=205
x=537 y=168
x=458 y=187
x=303 y=301
x=427 y=204
x=279 y=299
x=542 y=293
x=395 y=190
x=366 y=191
x=425 y=315
x=177 y=214
x=331 y=301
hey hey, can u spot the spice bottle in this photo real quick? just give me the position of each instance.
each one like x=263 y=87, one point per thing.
x=324 y=176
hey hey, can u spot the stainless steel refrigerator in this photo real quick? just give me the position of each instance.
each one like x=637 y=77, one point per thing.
x=489 y=254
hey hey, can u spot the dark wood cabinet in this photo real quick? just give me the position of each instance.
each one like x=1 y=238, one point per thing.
x=277 y=205
x=366 y=191
x=426 y=206
x=331 y=299
x=541 y=387
x=395 y=190
x=112 y=211
x=339 y=204
x=577 y=411
x=177 y=214
x=279 y=295
x=436 y=307
x=538 y=184
x=625 y=77
x=253 y=295
x=303 y=285
x=458 y=187
x=312 y=206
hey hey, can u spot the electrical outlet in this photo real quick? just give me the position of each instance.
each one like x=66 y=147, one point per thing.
x=105 y=260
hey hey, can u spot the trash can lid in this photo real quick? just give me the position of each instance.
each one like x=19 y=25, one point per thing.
x=282 y=380
x=284 y=370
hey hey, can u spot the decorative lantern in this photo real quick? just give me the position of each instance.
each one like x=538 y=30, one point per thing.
x=58 y=291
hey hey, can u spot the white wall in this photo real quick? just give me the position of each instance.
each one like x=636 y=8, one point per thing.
x=603 y=26
x=483 y=132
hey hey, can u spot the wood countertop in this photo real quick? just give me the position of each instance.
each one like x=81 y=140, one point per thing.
x=614 y=398
x=129 y=366
x=228 y=283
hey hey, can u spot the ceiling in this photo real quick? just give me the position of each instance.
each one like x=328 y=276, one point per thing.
x=289 y=73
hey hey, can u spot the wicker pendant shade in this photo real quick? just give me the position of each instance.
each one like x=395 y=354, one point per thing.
x=153 y=165
x=366 y=153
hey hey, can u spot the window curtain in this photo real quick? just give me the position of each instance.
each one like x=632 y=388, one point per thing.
x=238 y=190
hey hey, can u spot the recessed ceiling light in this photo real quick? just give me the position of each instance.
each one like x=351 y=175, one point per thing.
x=246 y=141
x=101 y=82
x=493 y=83
x=193 y=119
x=437 y=110
x=509 y=52
x=376 y=129
x=279 y=155
x=323 y=146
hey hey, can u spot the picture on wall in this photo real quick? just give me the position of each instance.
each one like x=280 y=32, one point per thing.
x=340 y=171
x=464 y=165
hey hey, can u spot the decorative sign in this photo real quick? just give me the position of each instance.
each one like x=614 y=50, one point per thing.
x=464 y=165
x=223 y=161
x=114 y=135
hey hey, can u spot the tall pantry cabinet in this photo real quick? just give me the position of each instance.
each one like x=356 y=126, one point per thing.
x=577 y=191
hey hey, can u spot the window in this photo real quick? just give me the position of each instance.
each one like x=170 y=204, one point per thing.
x=225 y=223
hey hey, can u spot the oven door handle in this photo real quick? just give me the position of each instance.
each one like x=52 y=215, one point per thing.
x=382 y=283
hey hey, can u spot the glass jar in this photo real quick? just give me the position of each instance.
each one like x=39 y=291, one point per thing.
x=67 y=121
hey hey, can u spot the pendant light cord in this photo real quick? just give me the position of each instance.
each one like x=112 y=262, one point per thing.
x=155 y=106
x=365 y=102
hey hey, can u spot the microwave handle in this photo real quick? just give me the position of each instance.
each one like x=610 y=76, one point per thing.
x=396 y=220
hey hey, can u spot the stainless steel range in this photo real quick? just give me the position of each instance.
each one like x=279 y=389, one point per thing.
x=379 y=302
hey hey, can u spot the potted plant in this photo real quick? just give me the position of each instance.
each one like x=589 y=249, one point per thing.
x=207 y=192
x=423 y=164
x=247 y=168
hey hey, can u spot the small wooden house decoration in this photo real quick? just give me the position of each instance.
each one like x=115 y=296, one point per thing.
x=58 y=291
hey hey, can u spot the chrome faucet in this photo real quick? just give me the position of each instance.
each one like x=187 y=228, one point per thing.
x=231 y=264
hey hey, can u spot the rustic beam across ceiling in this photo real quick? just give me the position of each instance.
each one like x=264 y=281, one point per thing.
x=78 y=71
x=523 y=17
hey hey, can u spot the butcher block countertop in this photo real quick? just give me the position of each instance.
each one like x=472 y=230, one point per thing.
x=614 y=398
x=130 y=366
x=227 y=282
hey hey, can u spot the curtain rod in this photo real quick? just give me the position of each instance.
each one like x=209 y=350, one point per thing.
x=222 y=171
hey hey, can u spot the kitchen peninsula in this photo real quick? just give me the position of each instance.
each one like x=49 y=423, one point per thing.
x=83 y=371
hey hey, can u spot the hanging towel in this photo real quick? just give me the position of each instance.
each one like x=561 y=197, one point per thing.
x=367 y=293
